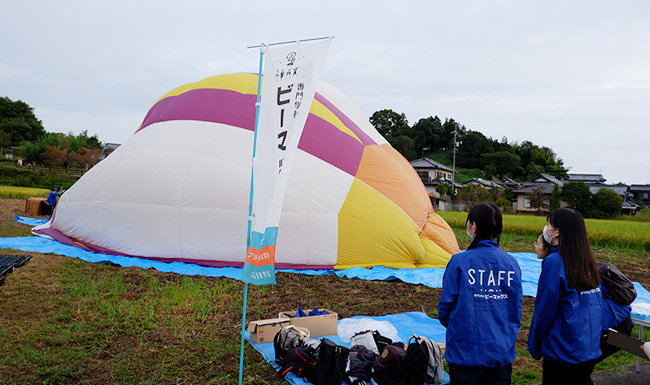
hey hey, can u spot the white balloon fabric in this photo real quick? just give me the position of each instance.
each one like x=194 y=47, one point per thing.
x=178 y=189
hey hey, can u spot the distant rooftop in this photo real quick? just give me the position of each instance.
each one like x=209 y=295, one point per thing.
x=429 y=163
x=587 y=178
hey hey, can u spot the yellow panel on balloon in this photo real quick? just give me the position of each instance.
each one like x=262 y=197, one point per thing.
x=373 y=231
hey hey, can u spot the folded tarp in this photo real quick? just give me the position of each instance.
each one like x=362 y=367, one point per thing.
x=30 y=221
x=406 y=324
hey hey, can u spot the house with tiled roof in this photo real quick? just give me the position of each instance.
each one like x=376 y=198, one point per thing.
x=432 y=174
x=542 y=183
x=640 y=193
x=586 y=178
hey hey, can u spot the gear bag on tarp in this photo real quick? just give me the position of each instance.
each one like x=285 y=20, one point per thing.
x=424 y=361
x=330 y=364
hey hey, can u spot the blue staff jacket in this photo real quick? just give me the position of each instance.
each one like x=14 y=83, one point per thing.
x=566 y=323
x=480 y=306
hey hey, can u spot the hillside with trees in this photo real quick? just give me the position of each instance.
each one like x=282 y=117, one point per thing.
x=487 y=157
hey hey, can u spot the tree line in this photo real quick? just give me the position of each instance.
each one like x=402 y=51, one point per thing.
x=431 y=137
x=24 y=132
x=494 y=158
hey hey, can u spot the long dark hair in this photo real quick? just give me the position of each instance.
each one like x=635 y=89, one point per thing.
x=579 y=263
x=488 y=220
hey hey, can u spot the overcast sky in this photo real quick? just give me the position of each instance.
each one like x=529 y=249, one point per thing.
x=570 y=75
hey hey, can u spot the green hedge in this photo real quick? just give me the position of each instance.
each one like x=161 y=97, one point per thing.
x=13 y=176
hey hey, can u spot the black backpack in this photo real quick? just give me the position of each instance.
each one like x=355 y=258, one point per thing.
x=390 y=367
x=424 y=361
x=621 y=289
x=283 y=342
x=298 y=360
x=330 y=364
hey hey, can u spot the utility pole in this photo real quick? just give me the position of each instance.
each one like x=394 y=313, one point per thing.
x=453 y=167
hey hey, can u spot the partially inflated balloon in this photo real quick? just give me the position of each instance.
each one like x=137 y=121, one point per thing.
x=178 y=189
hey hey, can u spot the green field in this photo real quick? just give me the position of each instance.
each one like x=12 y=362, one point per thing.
x=12 y=192
x=602 y=232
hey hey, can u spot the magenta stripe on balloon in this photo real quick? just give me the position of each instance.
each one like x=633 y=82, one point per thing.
x=208 y=105
x=320 y=138
x=346 y=121
x=326 y=142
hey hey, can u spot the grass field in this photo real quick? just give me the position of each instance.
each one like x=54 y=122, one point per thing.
x=66 y=321
x=22 y=192
x=606 y=233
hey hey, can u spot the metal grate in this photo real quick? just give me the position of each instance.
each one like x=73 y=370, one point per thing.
x=9 y=262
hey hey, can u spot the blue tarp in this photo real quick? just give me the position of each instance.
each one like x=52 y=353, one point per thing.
x=430 y=276
x=406 y=324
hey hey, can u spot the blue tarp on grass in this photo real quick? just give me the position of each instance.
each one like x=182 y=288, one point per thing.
x=406 y=324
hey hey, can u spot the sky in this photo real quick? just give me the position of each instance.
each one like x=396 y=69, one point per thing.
x=570 y=75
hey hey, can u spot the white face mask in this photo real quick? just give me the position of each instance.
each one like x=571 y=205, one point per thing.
x=471 y=237
x=546 y=237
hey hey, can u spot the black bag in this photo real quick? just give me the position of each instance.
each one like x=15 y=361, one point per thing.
x=621 y=289
x=390 y=367
x=360 y=364
x=417 y=359
x=424 y=361
x=283 y=342
x=330 y=364
x=381 y=341
x=298 y=360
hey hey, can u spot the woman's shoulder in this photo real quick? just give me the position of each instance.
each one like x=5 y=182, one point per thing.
x=553 y=260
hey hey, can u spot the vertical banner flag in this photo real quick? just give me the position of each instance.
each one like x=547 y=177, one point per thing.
x=291 y=73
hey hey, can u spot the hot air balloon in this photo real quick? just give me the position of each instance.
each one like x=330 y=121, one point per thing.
x=178 y=189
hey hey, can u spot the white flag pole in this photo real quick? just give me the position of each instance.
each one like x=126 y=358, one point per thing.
x=250 y=211
x=259 y=266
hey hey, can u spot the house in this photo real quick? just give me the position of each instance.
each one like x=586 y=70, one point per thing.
x=587 y=178
x=485 y=184
x=640 y=193
x=108 y=148
x=429 y=169
x=510 y=183
x=433 y=174
x=525 y=196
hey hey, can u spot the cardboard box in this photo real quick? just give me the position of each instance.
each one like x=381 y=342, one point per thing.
x=319 y=325
x=263 y=331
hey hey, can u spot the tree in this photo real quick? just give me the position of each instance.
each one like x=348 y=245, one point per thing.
x=390 y=124
x=427 y=133
x=405 y=146
x=539 y=199
x=577 y=196
x=473 y=193
x=503 y=164
x=5 y=140
x=444 y=189
x=555 y=198
x=605 y=204
x=17 y=120
x=86 y=158
x=55 y=157
x=469 y=152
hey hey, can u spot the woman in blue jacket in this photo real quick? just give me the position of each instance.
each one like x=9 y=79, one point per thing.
x=566 y=324
x=480 y=304
x=614 y=316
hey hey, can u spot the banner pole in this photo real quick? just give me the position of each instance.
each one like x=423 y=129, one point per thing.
x=250 y=213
